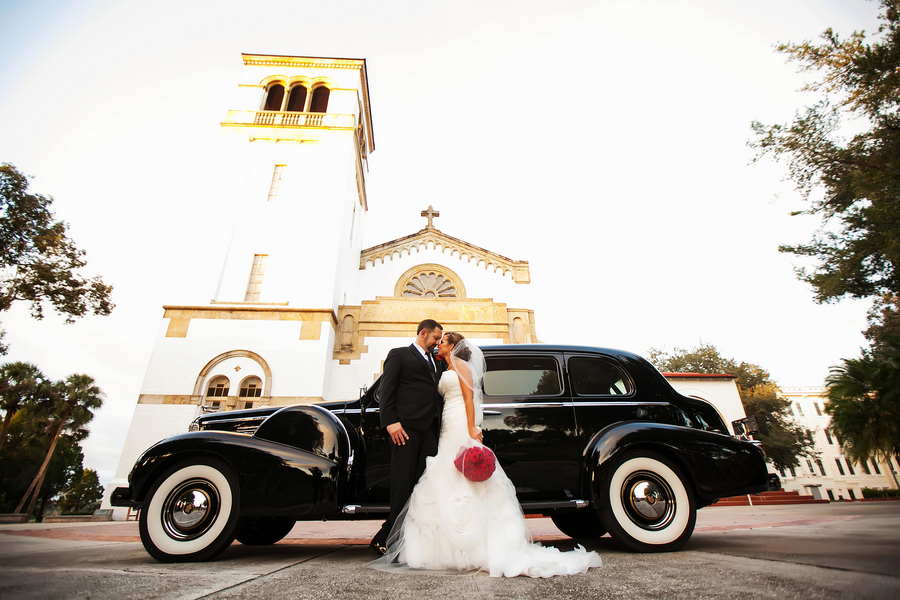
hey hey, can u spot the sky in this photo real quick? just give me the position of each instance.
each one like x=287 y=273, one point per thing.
x=603 y=141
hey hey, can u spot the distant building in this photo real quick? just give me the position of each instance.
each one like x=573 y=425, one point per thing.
x=831 y=475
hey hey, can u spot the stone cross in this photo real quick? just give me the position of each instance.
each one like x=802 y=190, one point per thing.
x=431 y=213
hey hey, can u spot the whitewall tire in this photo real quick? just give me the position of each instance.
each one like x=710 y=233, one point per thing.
x=647 y=504
x=190 y=513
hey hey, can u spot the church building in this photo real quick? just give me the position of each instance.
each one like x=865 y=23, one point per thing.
x=303 y=313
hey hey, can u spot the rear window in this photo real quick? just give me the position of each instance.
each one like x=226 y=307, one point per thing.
x=597 y=377
x=525 y=376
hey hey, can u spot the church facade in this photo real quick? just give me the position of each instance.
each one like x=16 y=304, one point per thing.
x=303 y=312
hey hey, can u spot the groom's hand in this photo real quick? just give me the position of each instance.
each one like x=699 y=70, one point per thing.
x=398 y=435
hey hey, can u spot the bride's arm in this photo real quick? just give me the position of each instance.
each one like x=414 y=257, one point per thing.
x=466 y=384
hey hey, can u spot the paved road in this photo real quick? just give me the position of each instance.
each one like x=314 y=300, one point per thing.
x=838 y=550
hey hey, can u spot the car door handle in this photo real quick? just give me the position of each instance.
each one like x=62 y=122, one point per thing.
x=490 y=412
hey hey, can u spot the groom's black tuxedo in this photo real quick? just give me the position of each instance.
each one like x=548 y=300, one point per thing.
x=408 y=395
x=408 y=391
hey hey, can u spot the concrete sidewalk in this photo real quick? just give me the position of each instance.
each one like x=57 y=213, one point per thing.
x=846 y=551
x=360 y=532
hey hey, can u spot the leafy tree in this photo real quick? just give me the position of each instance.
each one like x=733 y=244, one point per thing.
x=783 y=441
x=25 y=450
x=864 y=403
x=84 y=493
x=21 y=383
x=78 y=396
x=884 y=319
x=854 y=185
x=38 y=262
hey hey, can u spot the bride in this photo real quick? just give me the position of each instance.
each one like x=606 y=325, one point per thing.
x=453 y=524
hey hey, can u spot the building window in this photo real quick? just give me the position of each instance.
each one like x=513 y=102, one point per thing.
x=865 y=467
x=809 y=465
x=821 y=467
x=850 y=467
x=251 y=387
x=875 y=466
x=297 y=99
x=830 y=495
x=799 y=409
x=782 y=473
x=215 y=404
x=257 y=272
x=277 y=179
x=791 y=409
x=793 y=471
x=851 y=492
x=218 y=387
x=248 y=405
x=274 y=97
x=828 y=437
x=319 y=103
x=840 y=467
x=818 y=410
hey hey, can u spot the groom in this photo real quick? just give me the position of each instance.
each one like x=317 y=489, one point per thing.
x=410 y=408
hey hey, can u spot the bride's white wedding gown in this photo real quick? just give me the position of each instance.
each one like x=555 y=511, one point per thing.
x=451 y=523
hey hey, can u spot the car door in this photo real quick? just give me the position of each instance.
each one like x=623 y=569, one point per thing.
x=604 y=393
x=529 y=424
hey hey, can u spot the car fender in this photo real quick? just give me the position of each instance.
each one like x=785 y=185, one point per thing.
x=274 y=478
x=717 y=465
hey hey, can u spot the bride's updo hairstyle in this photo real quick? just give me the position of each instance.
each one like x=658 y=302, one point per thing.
x=460 y=353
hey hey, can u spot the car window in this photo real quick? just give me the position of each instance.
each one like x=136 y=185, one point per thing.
x=597 y=377
x=522 y=376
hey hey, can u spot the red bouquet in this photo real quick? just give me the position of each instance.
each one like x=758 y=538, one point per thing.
x=476 y=463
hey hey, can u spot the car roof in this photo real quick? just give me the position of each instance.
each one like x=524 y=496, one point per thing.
x=554 y=348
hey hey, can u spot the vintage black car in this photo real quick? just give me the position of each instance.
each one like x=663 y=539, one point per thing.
x=596 y=439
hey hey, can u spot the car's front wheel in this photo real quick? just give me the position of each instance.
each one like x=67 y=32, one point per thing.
x=190 y=513
x=263 y=531
x=647 y=504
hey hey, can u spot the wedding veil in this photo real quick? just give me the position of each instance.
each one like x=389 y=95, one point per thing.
x=465 y=351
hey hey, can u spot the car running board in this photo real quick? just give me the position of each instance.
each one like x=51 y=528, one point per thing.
x=356 y=509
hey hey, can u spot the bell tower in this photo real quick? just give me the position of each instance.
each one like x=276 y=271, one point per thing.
x=305 y=125
x=301 y=131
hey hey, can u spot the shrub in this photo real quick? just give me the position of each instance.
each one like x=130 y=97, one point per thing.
x=880 y=493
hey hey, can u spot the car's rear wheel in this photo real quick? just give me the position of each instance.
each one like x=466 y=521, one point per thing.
x=190 y=513
x=583 y=524
x=647 y=504
x=263 y=531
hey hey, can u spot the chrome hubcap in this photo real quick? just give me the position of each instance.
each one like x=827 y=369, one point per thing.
x=648 y=500
x=190 y=509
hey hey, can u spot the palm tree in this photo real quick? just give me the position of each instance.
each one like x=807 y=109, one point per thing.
x=21 y=383
x=864 y=404
x=78 y=396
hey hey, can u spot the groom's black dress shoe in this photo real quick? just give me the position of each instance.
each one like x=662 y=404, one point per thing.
x=377 y=548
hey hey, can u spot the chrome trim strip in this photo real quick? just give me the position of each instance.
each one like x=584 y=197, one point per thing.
x=577 y=404
x=354 y=509
x=557 y=504
x=235 y=420
x=528 y=405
